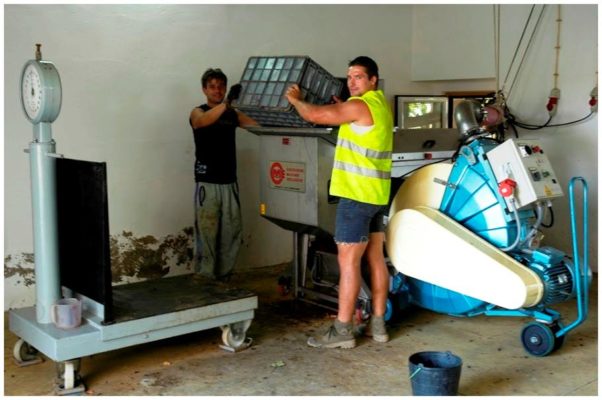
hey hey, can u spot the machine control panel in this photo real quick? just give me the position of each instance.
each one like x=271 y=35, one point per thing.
x=525 y=162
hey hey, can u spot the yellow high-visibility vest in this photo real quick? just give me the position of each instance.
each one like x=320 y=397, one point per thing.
x=362 y=161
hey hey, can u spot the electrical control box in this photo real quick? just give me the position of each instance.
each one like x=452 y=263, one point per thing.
x=525 y=162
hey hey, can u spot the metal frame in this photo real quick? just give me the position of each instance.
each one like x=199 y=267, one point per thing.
x=92 y=337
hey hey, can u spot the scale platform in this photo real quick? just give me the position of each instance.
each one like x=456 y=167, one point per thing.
x=144 y=312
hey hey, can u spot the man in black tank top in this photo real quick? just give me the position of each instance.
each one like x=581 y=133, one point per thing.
x=218 y=221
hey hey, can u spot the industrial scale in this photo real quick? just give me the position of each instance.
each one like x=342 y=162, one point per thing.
x=72 y=259
x=463 y=236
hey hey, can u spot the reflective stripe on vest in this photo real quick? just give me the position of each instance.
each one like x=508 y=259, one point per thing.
x=372 y=173
x=347 y=144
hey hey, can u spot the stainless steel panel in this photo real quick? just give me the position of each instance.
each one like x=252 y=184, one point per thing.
x=294 y=174
x=296 y=165
x=414 y=148
x=425 y=140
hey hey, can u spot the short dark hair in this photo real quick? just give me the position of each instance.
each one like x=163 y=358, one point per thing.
x=213 y=73
x=366 y=62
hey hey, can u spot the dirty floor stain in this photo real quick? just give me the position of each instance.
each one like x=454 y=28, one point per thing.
x=280 y=363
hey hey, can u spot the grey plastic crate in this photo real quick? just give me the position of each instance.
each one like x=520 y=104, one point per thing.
x=266 y=79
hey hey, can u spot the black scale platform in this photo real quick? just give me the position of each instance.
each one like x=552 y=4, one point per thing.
x=162 y=296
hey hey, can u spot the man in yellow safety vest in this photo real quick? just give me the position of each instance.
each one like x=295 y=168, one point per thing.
x=361 y=177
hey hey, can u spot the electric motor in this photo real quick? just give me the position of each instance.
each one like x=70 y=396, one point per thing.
x=557 y=280
x=557 y=273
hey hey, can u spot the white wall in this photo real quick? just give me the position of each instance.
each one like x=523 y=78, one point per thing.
x=439 y=42
x=130 y=76
x=573 y=149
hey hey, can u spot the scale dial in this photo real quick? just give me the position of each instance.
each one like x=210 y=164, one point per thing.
x=41 y=93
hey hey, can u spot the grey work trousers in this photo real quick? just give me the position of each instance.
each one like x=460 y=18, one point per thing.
x=217 y=228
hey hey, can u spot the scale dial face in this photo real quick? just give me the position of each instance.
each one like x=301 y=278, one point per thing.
x=41 y=94
x=31 y=92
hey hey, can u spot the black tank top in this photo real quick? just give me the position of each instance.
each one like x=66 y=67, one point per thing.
x=215 y=149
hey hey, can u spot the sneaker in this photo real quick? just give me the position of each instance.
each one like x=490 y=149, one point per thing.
x=338 y=335
x=377 y=330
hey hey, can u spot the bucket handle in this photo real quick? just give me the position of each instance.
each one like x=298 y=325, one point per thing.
x=420 y=366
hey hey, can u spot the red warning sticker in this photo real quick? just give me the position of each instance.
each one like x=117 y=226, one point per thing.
x=277 y=173
x=287 y=175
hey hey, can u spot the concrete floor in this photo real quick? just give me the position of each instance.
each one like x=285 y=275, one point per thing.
x=280 y=363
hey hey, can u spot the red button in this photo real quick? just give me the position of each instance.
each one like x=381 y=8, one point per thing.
x=506 y=187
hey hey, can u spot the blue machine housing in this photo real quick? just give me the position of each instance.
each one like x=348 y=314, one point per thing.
x=472 y=199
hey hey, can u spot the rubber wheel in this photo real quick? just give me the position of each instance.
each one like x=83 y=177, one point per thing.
x=234 y=335
x=68 y=373
x=23 y=351
x=388 y=310
x=232 y=339
x=556 y=326
x=69 y=376
x=538 y=339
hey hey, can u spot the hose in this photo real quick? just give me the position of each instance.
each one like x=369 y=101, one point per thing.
x=540 y=214
x=551 y=217
x=518 y=228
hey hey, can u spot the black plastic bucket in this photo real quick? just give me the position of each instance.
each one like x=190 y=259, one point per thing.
x=435 y=373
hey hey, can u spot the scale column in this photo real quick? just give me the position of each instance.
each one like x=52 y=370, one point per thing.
x=45 y=230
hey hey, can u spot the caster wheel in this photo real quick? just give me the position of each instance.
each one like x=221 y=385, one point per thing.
x=234 y=335
x=556 y=326
x=538 y=339
x=24 y=352
x=68 y=374
x=68 y=380
x=388 y=310
x=231 y=338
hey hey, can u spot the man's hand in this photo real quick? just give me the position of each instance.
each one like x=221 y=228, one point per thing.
x=293 y=94
x=233 y=94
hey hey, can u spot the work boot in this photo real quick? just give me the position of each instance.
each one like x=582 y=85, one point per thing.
x=339 y=334
x=377 y=330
